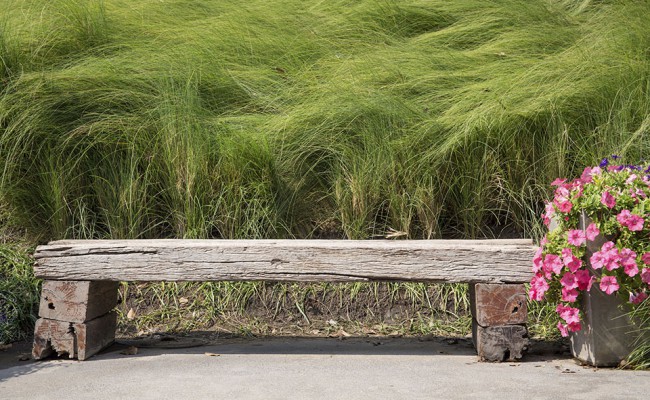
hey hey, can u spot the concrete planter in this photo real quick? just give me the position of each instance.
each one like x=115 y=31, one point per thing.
x=607 y=336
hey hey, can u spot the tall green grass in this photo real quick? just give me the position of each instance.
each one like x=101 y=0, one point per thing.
x=292 y=119
x=19 y=293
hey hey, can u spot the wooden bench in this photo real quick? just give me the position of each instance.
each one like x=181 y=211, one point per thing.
x=81 y=279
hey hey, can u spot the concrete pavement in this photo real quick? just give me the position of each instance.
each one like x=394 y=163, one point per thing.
x=315 y=368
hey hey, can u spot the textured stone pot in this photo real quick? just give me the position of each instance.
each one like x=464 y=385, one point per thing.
x=607 y=336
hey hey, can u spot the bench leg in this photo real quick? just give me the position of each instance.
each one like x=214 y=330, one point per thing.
x=499 y=316
x=76 y=318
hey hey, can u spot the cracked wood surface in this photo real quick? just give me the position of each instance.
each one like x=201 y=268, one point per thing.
x=487 y=261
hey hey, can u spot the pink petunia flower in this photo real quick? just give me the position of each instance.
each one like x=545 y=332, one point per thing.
x=584 y=279
x=569 y=295
x=549 y=211
x=612 y=262
x=645 y=275
x=572 y=262
x=637 y=298
x=569 y=314
x=569 y=281
x=564 y=206
x=608 y=200
x=630 y=179
x=563 y=328
x=562 y=193
x=635 y=223
x=628 y=261
x=592 y=232
x=633 y=195
x=574 y=327
x=552 y=264
x=544 y=241
x=611 y=257
x=537 y=260
x=586 y=176
x=558 y=182
x=538 y=286
x=597 y=260
x=623 y=217
x=609 y=284
x=645 y=258
x=576 y=237
x=631 y=269
x=607 y=246
x=631 y=221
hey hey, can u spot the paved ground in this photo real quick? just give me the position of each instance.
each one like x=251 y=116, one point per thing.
x=301 y=368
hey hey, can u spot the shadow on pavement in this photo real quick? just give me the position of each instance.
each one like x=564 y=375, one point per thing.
x=210 y=344
x=367 y=346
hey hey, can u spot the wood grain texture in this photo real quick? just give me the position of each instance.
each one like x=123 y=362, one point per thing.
x=500 y=343
x=53 y=336
x=93 y=336
x=500 y=304
x=79 y=340
x=77 y=301
x=475 y=261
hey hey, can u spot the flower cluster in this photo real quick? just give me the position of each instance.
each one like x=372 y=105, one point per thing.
x=599 y=233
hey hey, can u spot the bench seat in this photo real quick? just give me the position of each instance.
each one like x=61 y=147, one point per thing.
x=80 y=276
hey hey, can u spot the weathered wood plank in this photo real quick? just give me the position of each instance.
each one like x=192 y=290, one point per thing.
x=53 y=336
x=93 y=336
x=500 y=343
x=79 y=340
x=77 y=301
x=489 y=261
x=500 y=304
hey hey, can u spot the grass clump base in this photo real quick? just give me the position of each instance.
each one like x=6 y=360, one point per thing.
x=259 y=308
x=19 y=293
